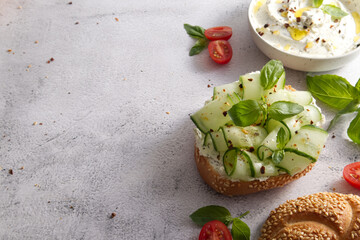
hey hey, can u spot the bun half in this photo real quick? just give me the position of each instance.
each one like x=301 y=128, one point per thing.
x=332 y=216
x=228 y=187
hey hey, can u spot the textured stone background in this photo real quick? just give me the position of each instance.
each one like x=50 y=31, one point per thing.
x=106 y=143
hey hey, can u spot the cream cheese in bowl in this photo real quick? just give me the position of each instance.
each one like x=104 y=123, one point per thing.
x=297 y=28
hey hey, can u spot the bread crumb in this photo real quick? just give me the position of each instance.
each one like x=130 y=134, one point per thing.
x=22 y=168
x=9 y=50
x=36 y=42
x=35 y=123
x=11 y=172
x=168 y=113
x=112 y=215
x=117 y=19
x=40 y=124
x=19 y=7
x=334 y=189
x=69 y=3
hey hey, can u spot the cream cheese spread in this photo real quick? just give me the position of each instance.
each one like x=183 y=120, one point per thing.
x=296 y=27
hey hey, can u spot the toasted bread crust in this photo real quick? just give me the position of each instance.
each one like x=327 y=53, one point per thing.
x=332 y=216
x=232 y=188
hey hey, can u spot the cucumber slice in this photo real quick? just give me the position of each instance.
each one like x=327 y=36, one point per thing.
x=230 y=88
x=293 y=163
x=213 y=115
x=279 y=95
x=229 y=160
x=242 y=170
x=219 y=141
x=207 y=139
x=263 y=169
x=244 y=137
x=300 y=97
x=252 y=86
x=272 y=124
x=263 y=152
x=250 y=162
x=310 y=115
x=308 y=142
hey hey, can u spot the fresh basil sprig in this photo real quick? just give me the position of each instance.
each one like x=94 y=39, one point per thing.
x=334 y=11
x=271 y=73
x=196 y=32
x=317 y=3
x=245 y=112
x=239 y=230
x=281 y=140
x=278 y=156
x=340 y=94
x=357 y=85
x=354 y=128
x=332 y=90
x=210 y=213
x=281 y=109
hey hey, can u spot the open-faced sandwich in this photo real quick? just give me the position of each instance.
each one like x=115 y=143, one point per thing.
x=318 y=216
x=257 y=133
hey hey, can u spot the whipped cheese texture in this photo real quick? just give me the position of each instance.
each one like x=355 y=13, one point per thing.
x=295 y=26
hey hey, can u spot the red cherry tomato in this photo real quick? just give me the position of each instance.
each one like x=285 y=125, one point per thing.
x=215 y=230
x=218 y=33
x=352 y=174
x=220 y=51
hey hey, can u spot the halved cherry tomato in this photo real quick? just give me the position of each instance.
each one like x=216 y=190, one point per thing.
x=352 y=174
x=220 y=51
x=218 y=33
x=215 y=230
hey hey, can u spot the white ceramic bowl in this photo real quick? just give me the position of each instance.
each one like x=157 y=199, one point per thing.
x=301 y=63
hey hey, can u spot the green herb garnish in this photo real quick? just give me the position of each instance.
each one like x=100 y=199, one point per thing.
x=282 y=109
x=334 y=11
x=271 y=73
x=197 y=32
x=317 y=3
x=239 y=231
x=333 y=90
x=338 y=93
x=245 y=112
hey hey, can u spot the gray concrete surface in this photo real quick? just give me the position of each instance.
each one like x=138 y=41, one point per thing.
x=103 y=142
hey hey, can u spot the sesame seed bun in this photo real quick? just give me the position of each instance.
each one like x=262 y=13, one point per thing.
x=228 y=187
x=318 y=216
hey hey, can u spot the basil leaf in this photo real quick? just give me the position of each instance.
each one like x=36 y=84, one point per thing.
x=354 y=129
x=278 y=156
x=317 y=3
x=281 y=110
x=195 y=31
x=240 y=230
x=245 y=113
x=271 y=73
x=281 y=138
x=357 y=85
x=334 y=11
x=351 y=107
x=209 y=213
x=333 y=90
x=198 y=47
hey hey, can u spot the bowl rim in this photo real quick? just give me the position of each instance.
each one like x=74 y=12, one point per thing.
x=252 y=2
